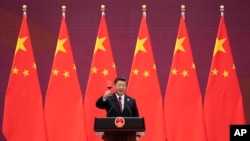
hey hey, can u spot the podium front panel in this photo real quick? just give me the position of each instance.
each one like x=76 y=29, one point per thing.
x=133 y=124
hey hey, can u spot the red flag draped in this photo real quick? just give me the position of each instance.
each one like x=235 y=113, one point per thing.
x=23 y=118
x=102 y=70
x=144 y=86
x=64 y=103
x=223 y=101
x=183 y=100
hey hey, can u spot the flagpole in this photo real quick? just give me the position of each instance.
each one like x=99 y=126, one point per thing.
x=63 y=10
x=183 y=9
x=103 y=9
x=144 y=9
x=222 y=10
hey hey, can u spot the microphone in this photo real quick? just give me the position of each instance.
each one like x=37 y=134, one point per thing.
x=110 y=110
x=109 y=84
x=112 y=106
x=129 y=111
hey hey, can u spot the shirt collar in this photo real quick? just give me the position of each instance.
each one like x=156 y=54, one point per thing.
x=117 y=96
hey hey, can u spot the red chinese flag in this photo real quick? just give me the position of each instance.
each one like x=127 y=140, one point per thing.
x=144 y=86
x=23 y=118
x=223 y=101
x=183 y=101
x=102 y=70
x=64 y=103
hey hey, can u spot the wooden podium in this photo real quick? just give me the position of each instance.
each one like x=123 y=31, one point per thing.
x=119 y=128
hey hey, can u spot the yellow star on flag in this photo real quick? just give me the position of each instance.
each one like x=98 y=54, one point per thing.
x=219 y=46
x=174 y=71
x=99 y=44
x=15 y=70
x=74 y=67
x=193 y=66
x=34 y=66
x=59 y=46
x=178 y=45
x=66 y=74
x=25 y=73
x=94 y=70
x=185 y=73
x=113 y=65
x=146 y=73
x=105 y=72
x=233 y=67
x=214 y=71
x=225 y=73
x=140 y=45
x=20 y=44
x=135 y=71
x=55 y=72
x=154 y=66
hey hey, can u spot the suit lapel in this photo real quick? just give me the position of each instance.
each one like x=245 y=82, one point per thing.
x=116 y=104
x=126 y=103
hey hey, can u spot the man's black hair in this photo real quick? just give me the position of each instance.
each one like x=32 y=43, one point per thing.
x=120 y=78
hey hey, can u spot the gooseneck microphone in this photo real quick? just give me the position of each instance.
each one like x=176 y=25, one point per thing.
x=130 y=112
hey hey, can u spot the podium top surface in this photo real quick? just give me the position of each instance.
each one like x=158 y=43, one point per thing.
x=133 y=124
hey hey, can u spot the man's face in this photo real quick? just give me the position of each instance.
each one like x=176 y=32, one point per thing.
x=120 y=87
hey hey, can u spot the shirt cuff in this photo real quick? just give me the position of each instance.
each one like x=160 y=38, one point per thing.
x=104 y=99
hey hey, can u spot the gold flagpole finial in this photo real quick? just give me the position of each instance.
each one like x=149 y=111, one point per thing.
x=63 y=10
x=183 y=8
x=144 y=8
x=24 y=8
x=102 y=8
x=222 y=9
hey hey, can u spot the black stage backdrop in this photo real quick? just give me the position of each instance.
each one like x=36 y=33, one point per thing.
x=123 y=20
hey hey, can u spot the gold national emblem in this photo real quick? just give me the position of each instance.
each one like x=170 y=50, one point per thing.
x=119 y=122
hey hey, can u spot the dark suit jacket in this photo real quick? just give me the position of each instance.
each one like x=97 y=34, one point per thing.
x=112 y=106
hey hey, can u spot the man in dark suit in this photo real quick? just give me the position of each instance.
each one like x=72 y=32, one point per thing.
x=118 y=103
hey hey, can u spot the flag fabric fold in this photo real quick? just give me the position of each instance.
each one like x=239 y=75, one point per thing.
x=144 y=86
x=64 y=103
x=223 y=100
x=102 y=70
x=183 y=100
x=23 y=118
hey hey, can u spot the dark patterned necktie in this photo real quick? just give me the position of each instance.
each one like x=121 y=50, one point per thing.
x=120 y=103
